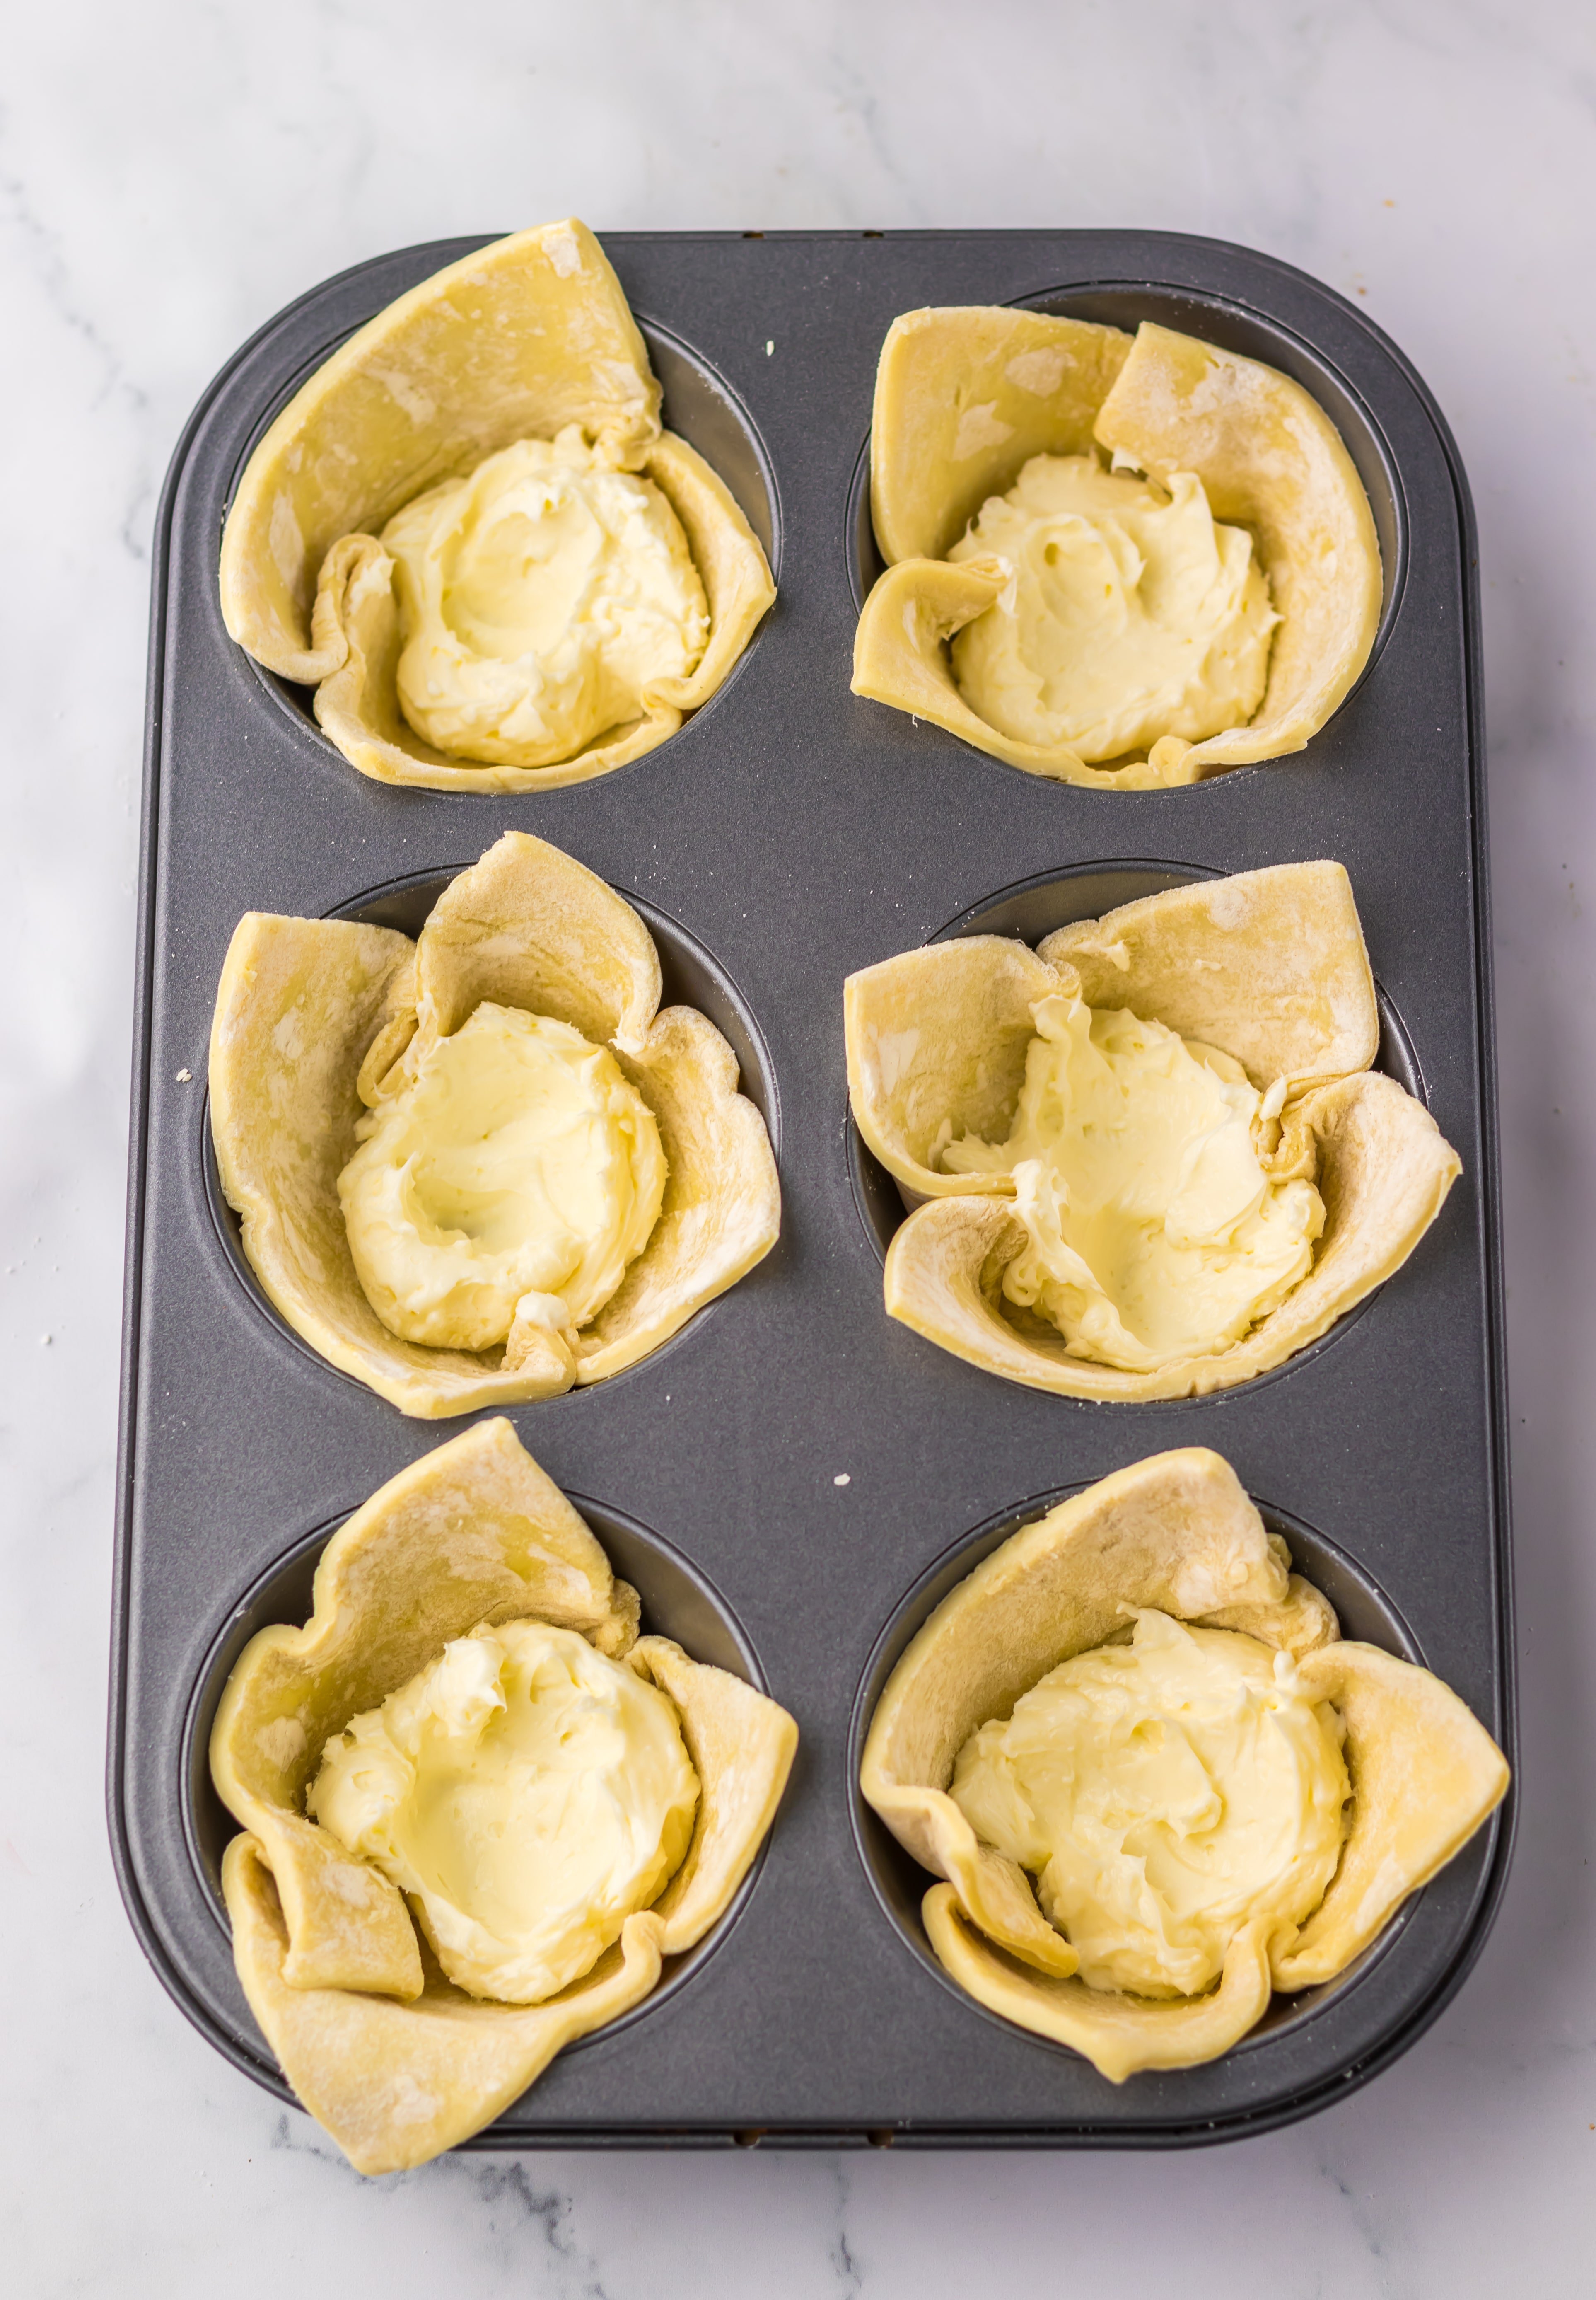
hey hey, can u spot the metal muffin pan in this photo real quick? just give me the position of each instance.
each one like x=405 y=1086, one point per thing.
x=794 y=1465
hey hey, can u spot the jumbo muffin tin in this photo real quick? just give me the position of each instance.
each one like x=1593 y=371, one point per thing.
x=795 y=1480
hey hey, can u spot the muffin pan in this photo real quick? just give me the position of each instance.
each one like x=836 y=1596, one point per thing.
x=794 y=1479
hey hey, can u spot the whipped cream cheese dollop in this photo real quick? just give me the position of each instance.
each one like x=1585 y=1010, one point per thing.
x=538 y=598
x=516 y=1174
x=1129 y=615
x=1164 y=1794
x=1153 y=1231
x=528 y=1792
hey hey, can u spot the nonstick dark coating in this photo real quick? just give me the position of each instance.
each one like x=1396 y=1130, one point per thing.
x=793 y=833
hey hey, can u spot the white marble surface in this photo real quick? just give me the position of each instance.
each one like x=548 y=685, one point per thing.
x=169 y=176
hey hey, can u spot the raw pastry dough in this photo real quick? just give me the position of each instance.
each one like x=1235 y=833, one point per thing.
x=517 y=341
x=1175 y=1533
x=392 y=2060
x=965 y=396
x=317 y=1019
x=1269 y=967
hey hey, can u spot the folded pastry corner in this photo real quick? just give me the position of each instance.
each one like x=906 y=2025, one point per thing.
x=525 y=339
x=320 y=1024
x=1425 y=1774
x=966 y=399
x=1177 y=1536
x=937 y=1041
x=394 y=2085
x=395 y=2060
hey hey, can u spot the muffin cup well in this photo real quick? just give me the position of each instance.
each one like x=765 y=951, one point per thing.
x=1365 y=1611
x=690 y=976
x=678 y=1603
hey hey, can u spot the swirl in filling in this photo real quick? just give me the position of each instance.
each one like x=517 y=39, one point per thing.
x=1128 y=615
x=1153 y=1230
x=539 y=599
x=527 y=1792
x=516 y=1174
x=1164 y=1794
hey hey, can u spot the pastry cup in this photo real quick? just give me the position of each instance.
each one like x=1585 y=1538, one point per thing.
x=312 y=1015
x=513 y=342
x=964 y=396
x=1269 y=966
x=1175 y=1532
x=395 y=2062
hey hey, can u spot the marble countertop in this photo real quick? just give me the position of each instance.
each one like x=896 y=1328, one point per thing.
x=168 y=176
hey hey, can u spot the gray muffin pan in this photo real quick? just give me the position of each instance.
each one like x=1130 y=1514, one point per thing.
x=795 y=1480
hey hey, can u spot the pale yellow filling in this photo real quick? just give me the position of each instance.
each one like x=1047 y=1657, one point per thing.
x=1164 y=1794
x=1130 y=616
x=519 y=1172
x=539 y=598
x=1152 y=1231
x=528 y=1792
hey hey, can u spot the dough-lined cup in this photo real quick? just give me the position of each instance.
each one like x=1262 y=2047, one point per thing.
x=1270 y=967
x=1177 y=1533
x=392 y=2059
x=516 y=341
x=313 y=1014
x=966 y=394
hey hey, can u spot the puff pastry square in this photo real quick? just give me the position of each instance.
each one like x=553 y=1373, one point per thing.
x=313 y=1014
x=514 y=342
x=393 y=2061
x=1177 y=1533
x=1267 y=965
x=965 y=396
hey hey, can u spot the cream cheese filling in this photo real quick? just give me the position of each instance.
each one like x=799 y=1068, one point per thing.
x=1164 y=1794
x=1153 y=1232
x=517 y=1172
x=539 y=598
x=1129 y=615
x=528 y=1792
